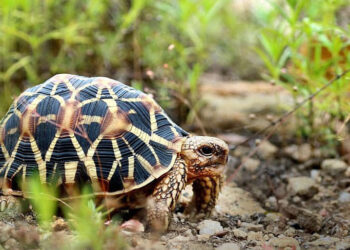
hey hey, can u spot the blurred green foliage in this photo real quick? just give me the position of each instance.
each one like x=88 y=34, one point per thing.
x=304 y=44
x=163 y=44
x=85 y=219
x=169 y=45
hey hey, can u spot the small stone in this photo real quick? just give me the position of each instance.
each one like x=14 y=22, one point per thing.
x=271 y=203
x=180 y=238
x=334 y=166
x=229 y=246
x=344 y=197
x=240 y=234
x=266 y=149
x=284 y=243
x=303 y=186
x=250 y=164
x=315 y=174
x=252 y=227
x=325 y=242
x=343 y=245
x=209 y=227
x=59 y=225
x=296 y=199
x=290 y=232
x=11 y=244
x=255 y=236
x=203 y=237
x=300 y=153
x=4 y=232
x=306 y=219
x=188 y=233
x=347 y=172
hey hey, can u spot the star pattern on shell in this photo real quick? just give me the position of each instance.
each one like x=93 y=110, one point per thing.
x=71 y=128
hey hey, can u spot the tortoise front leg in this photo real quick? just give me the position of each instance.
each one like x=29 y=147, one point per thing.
x=165 y=196
x=205 y=194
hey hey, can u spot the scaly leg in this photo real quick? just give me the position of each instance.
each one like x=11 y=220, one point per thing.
x=165 y=196
x=205 y=194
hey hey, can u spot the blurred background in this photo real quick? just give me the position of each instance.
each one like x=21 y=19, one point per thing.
x=217 y=66
x=227 y=68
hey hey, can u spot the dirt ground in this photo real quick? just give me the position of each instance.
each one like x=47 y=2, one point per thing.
x=292 y=197
x=284 y=196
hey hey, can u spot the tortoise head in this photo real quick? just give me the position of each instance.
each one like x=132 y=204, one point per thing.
x=204 y=156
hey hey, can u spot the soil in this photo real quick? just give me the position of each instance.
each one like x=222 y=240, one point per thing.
x=276 y=196
x=272 y=200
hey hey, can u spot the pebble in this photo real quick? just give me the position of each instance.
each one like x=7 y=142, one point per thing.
x=303 y=186
x=315 y=175
x=255 y=236
x=344 y=197
x=322 y=242
x=334 y=166
x=209 y=227
x=252 y=227
x=284 y=243
x=271 y=203
x=240 y=234
x=179 y=238
x=250 y=164
x=306 y=219
x=203 y=237
x=229 y=246
x=266 y=149
x=300 y=153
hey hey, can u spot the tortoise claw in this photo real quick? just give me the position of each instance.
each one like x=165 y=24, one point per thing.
x=3 y=204
x=8 y=203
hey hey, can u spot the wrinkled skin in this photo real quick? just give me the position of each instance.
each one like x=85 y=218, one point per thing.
x=201 y=162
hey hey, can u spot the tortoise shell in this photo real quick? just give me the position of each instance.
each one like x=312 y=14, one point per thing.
x=74 y=128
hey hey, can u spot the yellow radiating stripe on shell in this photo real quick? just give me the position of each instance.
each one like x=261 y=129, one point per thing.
x=46 y=118
x=145 y=138
x=83 y=103
x=54 y=88
x=41 y=163
x=52 y=146
x=89 y=162
x=130 y=99
x=88 y=119
x=117 y=156
x=161 y=140
x=99 y=93
x=116 y=150
x=17 y=170
x=152 y=114
x=61 y=100
x=24 y=173
x=70 y=170
x=140 y=134
x=4 y=151
x=111 y=92
x=8 y=166
x=114 y=167
x=131 y=167
x=146 y=165
x=174 y=131
x=112 y=105
x=77 y=147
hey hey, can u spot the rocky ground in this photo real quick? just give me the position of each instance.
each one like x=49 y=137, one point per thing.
x=276 y=196
x=281 y=198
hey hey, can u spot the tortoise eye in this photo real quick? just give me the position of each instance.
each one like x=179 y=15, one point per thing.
x=205 y=150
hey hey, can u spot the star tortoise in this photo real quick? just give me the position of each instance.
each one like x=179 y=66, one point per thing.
x=73 y=129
